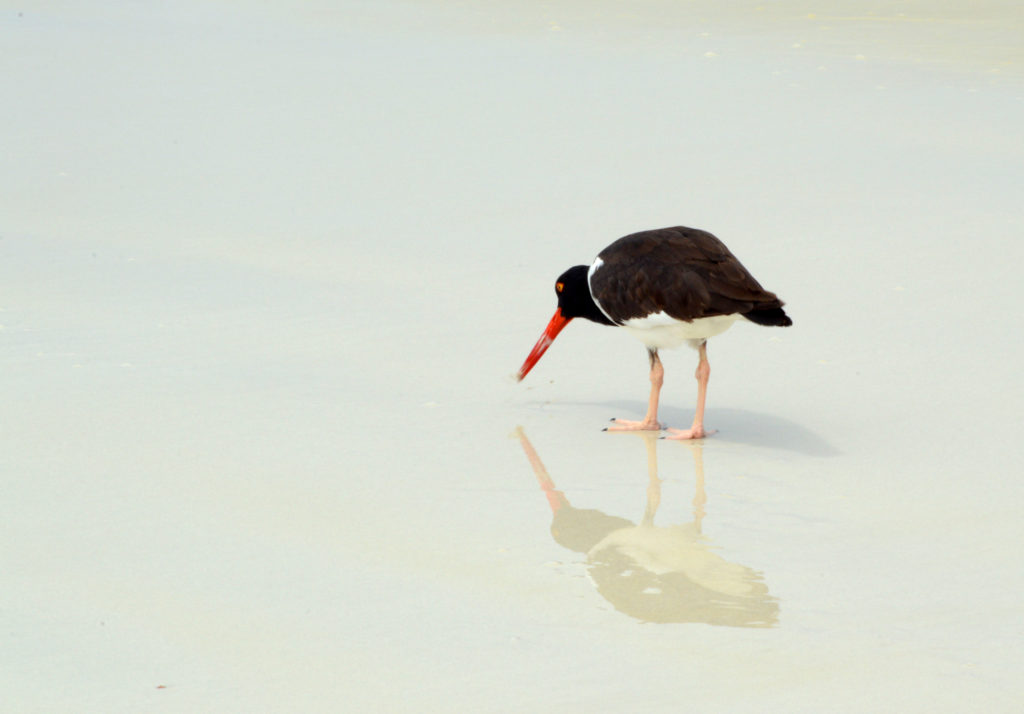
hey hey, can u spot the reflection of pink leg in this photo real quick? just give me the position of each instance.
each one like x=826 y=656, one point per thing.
x=650 y=422
x=696 y=431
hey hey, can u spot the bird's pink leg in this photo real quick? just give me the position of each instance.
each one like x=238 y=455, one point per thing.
x=696 y=431
x=650 y=422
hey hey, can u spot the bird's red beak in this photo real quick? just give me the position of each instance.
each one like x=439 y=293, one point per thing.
x=550 y=333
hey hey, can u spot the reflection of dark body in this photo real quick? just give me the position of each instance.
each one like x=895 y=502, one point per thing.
x=653 y=573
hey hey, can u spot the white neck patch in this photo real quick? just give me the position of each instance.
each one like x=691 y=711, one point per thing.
x=590 y=274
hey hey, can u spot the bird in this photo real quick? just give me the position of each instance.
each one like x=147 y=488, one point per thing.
x=666 y=287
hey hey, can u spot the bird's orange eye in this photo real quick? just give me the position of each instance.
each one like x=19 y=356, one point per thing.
x=559 y=287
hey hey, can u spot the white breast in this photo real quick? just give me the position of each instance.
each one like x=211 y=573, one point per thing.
x=660 y=330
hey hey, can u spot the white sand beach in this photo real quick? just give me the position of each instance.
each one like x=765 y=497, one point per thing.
x=266 y=270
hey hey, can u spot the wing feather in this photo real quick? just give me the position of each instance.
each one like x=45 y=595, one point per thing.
x=684 y=272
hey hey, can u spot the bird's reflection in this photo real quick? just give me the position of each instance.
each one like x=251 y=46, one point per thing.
x=658 y=573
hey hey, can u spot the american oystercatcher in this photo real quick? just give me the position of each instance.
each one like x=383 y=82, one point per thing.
x=665 y=287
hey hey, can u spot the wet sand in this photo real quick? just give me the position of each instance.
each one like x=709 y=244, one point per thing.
x=265 y=274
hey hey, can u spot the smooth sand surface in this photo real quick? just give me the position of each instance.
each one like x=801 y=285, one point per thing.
x=266 y=270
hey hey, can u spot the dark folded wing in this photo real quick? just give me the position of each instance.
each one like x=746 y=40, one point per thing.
x=685 y=272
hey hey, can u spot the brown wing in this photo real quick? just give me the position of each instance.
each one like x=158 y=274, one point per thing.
x=685 y=272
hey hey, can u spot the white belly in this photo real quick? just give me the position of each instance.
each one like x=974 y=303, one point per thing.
x=663 y=331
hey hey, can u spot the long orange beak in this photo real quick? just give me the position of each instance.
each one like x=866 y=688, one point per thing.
x=550 y=333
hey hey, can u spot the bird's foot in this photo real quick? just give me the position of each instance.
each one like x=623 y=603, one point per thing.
x=626 y=425
x=696 y=432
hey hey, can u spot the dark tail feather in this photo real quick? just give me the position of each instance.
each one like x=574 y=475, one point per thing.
x=770 y=316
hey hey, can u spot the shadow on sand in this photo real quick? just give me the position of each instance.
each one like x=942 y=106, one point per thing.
x=658 y=573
